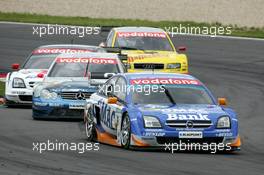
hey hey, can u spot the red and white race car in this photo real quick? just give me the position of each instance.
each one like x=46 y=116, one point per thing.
x=19 y=83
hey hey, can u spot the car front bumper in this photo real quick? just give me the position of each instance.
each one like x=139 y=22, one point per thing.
x=57 y=109
x=222 y=141
x=19 y=96
x=181 y=71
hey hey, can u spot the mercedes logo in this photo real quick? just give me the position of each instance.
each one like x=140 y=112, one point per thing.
x=80 y=96
x=189 y=124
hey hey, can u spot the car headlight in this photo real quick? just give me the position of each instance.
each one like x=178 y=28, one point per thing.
x=173 y=65
x=151 y=122
x=18 y=83
x=37 y=90
x=45 y=94
x=223 y=122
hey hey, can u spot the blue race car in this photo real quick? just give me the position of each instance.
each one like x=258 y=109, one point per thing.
x=71 y=79
x=159 y=109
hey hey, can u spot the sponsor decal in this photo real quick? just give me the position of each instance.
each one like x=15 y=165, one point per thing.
x=174 y=116
x=40 y=104
x=87 y=60
x=164 y=81
x=76 y=106
x=224 y=134
x=131 y=59
x=134 y=58
x=108 y=116
x=179 y=110
x=190 y=134
x=18 y=92
x=55 y=104
x=154 y=134
x=142 y=34
x=60 y=50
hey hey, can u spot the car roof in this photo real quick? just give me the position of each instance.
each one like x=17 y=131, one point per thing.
x=51 y=49
x=89 y=55
x=130 y=76
x=138 y=29
x=67 y=46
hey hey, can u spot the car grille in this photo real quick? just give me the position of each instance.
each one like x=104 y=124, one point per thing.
x=75 y=95
x=31 y=84
x=184 y=123
x=208 y=140
x=148 y=66
x=25 y=97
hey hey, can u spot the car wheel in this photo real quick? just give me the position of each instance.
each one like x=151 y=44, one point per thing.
x=90 y=127
x=125 y=132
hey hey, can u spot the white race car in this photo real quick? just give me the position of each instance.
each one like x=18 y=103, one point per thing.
x=19 y=83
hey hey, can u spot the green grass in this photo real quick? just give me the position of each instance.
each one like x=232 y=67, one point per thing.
x=2 y=88
x=85 y=21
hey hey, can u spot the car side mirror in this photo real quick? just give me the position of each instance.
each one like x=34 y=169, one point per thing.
x=15 y=66
x=222 y=101
x=181 y=49
x=112 y=100
x=108 y=75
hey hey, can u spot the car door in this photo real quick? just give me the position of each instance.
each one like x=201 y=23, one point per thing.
x=117 y=109
x=111 y=114
x=106 y=113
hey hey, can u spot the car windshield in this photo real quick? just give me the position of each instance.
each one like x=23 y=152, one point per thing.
x=171 y=94
x=144 y=43
x=39 y=61
x=78 y=69
x=68 y=70
x=103 y=68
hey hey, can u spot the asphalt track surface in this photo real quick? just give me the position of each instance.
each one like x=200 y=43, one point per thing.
x=231 y=68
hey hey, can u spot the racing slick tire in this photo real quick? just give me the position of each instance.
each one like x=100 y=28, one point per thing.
x=125 y=132
x=89 y=127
